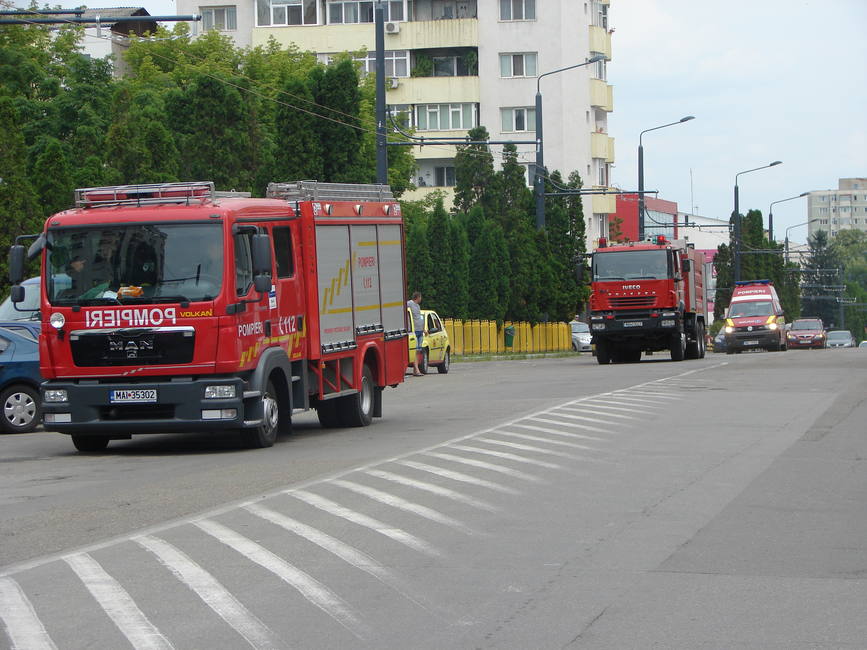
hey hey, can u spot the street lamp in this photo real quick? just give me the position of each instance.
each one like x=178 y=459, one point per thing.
x=797 y=225
x=539 y=179
x=771 y=213
x=737 y=218
x=641 y=172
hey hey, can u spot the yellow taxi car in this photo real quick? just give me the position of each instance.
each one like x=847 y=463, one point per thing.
x=435 y=346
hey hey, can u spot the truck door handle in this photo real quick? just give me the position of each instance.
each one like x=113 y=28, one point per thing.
x=267 y=328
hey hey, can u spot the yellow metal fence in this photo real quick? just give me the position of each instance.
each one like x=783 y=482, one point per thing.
x=486 y=337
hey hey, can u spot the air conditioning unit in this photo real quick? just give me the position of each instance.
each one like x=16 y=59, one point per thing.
x=392 y=28
x=393 y=82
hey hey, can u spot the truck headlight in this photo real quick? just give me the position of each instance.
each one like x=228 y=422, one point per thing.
x=669 y=314
x=772 y=326
x=55 y=396
x=598 y=326
x=222 y=391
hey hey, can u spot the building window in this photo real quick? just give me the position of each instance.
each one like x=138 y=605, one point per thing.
x=361 y=11
x=517 y=9
x=396 y=63
x=445 y=117
x=518 y=65
x=444 y=176
x=599 y=69
x=286 y=12
x=603 y=174
x=518 y=119
x=223 y=19
x=449 y=66
x=600 y=14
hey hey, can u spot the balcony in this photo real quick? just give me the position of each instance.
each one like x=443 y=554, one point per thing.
x=601 y=95
x=434 y=90
x=602 y=146
x=600 y=41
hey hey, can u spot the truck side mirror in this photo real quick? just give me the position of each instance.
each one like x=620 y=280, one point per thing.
x=261 y=252
x=17 y=293
x=16 y=264
x=687 y=265
x=262 y=283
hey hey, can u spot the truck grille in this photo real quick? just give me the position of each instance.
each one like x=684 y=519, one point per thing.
x=632 y=301
x=132 y=346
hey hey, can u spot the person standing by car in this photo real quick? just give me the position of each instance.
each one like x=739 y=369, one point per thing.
x=418 y=328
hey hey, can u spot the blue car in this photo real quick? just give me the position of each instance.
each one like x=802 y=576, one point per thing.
x=27 y=310
x=20 y=402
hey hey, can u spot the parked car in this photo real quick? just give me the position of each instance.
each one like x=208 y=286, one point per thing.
x=807 y=333
x=20 y=401
x=863 y=344
x=436 y=348
x=719 y=342
x=840 y=339
x=27 y=310
x=581 y=336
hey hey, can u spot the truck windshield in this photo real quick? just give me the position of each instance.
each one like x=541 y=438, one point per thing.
x=751 y=308
x=144 y=263
x=631 y=265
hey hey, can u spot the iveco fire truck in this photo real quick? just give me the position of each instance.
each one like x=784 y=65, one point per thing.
x=167 y=308
x=646 y=297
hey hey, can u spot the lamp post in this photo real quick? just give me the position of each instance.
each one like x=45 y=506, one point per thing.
x=539 y=178
x=641 y=172
x=797 y=225
x=771 y=213
x=737 y=218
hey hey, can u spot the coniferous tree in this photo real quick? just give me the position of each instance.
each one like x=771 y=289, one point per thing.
x=458 y=273
x=419 y=268
x=298 y=153
x=341 y=133
x=821 y=273
x=439 y=244
x=474 y=171
x=488 y=297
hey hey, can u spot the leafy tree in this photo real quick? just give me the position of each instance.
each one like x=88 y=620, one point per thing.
x=299 y=153
x=52 y=177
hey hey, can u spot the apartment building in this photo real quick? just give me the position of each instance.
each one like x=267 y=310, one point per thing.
x=842 y=209
x=456 y=64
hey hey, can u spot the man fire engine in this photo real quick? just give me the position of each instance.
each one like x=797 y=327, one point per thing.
x=167 y=308
x=647 y=296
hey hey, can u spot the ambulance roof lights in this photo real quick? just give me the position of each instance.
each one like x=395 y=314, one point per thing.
x=742 y=283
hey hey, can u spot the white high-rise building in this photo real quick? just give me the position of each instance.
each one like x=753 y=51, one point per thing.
x=842 y=209
x=456 y=64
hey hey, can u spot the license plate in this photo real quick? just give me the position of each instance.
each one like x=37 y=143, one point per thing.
x=751 y=342
x=633 y=323
x=133 y=396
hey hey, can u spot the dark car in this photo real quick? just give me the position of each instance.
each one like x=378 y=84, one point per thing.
x=840 y=339
x=19 y=377
x=807 y=333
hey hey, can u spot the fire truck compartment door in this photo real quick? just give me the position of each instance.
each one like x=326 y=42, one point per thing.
x=334 y=266
x=391 y=278
x=365 y=277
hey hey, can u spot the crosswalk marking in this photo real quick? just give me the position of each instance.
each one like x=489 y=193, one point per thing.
x=214 y=595
x=392 y=532
x=507 y=456
x=557 y=432
x=23 y=626
x=314 y=591
x=457 y=476
x=433 y=489
x=606 y=407
x=117 y=604
x=549 y=441
x=532 y=448
x=597 y=411
x=571 y=416
x=585 y=427
x=488 y=466
x=402 y=504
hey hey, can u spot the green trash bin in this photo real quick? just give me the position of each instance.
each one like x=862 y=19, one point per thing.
x=509 y=335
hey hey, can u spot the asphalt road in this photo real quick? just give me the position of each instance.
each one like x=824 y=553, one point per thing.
x=544 y=503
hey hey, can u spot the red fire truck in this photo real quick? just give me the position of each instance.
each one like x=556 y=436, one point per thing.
x=168 y=308
x=647 y=296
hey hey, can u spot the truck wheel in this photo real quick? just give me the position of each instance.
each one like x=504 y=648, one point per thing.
x=21 y=409
x=327 y=413
x=678 y=346
x=632 y=356
x=603 y=355
x=90 y=443
x=357 y=410
x=265 y=434
x=695 y=349
x=443 y=368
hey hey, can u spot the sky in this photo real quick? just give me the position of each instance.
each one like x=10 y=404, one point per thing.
x=765 y=79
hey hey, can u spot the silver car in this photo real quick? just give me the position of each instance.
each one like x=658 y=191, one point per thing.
x=580 y=336
x=841 y=339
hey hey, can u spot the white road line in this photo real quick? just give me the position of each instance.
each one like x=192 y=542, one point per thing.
x=586 y=427
x=23 y=626
x=549 y=441
x=607 y=407
x=569 y=416
x=531 y=448
x=309 y=587
x=507 y=456
x=651 y=403
x=488 y=466
x=457 y=476
x=433 y=489
x=402 y=504
x=597 y=411
x=392 y=532
x=557 y=432
x=345 y=552
x=117 y=603
x=653 y=393
x=214 y=595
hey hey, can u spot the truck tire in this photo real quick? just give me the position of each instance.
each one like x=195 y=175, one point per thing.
x=603 y=355
x=327 y=413
x=695 y=349
x=678 y=346
x=357 y=410
x=265 y=434
x=90 y=443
